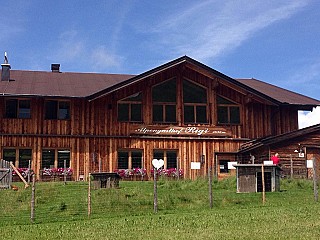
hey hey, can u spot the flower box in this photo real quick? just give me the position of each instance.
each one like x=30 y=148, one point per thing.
x=138 y=174
x=55 y=174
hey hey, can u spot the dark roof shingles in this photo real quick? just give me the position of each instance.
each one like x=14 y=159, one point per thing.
x=280 y=94
x=67 y=84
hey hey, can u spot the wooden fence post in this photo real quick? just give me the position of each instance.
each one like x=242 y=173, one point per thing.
x=315 y=180
x=89 y=196
x=33 y=191
x=178 y=167
x=291 y=167
x=155 y=194
x=29 y=172
x=65 y=172
x=263 y=185
x=210 y=187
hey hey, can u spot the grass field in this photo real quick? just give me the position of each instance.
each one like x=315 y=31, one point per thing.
x=183 y=212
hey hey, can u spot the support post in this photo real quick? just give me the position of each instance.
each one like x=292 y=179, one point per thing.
x=178 y=167
x=155 y=194
x=29 y=172
x=89 y=195
x=33 y=190
x=19 y=174
x=65 y=172
x=210 y=187
x=315 y=180
x=291 y=167
x=263 y=185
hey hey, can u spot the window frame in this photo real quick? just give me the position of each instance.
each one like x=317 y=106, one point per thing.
x=56 y=159
x=164 y=104
x=130 y=161
x=131 y=104
x=165 y=152
x=195 y=105
x=17 y=158
x=56 y=115
x=18 y=108
x=229 y=112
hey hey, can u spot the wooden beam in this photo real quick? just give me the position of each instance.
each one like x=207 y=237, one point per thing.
x=20 y=176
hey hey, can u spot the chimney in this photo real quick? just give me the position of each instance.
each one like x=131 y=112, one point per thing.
x=55 y=67
x=5 y=73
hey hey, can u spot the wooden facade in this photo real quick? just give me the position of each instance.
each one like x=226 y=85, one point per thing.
x=294 y=148
x=93 y=134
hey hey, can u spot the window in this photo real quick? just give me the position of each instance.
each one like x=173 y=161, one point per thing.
x=54 y=158
x=25 y=155
x=48 y=156
x=223 y=166
x=168 y=156
x=9 y=155
x=17 y=108
x=63 y=155
x=57 y=110
x=130 y=109
x=195 y=103
x=228 y=112
x=164 y=99
x=129 y=159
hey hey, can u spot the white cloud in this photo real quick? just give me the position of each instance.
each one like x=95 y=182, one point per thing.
x=102 y=58
x=70 y=46
x=307 y=119
x=73 y=49
x=308 y=73
x=211 y=28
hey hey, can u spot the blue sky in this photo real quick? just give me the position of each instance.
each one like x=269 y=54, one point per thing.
x=274 y=41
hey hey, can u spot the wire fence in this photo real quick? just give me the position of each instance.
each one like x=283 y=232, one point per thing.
x=60 y=202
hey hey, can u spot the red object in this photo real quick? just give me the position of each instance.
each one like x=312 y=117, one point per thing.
x=275 y=160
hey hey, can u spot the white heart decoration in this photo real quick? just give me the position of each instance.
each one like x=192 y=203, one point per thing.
x=157 y=163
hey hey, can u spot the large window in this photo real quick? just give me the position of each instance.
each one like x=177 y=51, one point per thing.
x=17 y=108
x=195 y=103
x=168 y=156
x=228 y=112
x=19 y=157
x=57 y=110
x=55 y=158
x=129 y=159
x=130 y=108
x=164 y=100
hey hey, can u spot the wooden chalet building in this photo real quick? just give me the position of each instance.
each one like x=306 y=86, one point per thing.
x=184 y=112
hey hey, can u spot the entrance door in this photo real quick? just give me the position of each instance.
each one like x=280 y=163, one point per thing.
x=267 y=181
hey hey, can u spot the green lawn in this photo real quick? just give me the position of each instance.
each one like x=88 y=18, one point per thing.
x=183 y=212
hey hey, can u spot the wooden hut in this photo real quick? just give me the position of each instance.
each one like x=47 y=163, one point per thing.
x=183 y=112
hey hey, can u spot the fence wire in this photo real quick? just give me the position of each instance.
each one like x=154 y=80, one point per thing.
x=56 y=201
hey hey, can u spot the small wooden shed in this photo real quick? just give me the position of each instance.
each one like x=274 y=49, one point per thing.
x=105 y=180
x=249 y=177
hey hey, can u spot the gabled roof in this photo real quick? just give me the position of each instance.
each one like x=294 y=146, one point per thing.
x=265 y=141
x=280 y=94
x=93 y=85
x=57 y=84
